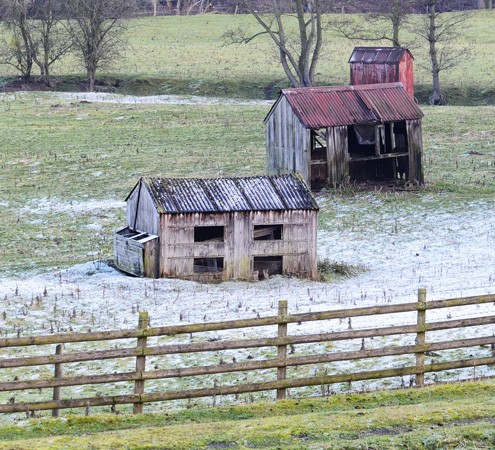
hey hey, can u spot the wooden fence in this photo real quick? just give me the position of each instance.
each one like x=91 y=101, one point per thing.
x=141 y=351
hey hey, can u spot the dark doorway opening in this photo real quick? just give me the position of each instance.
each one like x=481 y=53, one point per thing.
x=203 y=265
x=208 y=234
x=378 y=152
x=267 y=266
x=267 y=232
x=319 y=161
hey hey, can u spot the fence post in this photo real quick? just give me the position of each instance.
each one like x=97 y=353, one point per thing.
x=140 y=361
x=420 y=338
x=59 y=350
x=282 y=349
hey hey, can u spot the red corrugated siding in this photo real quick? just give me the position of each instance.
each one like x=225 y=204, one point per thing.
x=348 y=105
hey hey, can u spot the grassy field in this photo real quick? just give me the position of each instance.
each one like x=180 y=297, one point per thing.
x=60 y=155
x=441 y=417
x=66 y=166
x=173 y=55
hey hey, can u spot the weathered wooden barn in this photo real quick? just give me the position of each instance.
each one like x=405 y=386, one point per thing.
x=336 y=134
x=374 y=65
x=219 y=229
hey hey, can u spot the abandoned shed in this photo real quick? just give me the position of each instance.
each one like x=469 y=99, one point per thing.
x=219 y=229
x=336 y=134
x=374 y=65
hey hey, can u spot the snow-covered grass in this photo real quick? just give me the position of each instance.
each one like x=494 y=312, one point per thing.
x=64 y=181
x=449 y=249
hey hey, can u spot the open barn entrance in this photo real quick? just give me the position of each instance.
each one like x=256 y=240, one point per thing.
x=319 y=159
x=378 y=152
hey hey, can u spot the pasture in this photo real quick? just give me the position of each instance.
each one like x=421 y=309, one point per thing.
x=68 y=161
x=173 y=55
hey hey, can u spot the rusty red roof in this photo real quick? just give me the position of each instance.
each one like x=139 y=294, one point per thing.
x=321 y=107
x=378 y=55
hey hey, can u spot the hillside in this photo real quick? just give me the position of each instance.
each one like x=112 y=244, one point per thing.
x=172 y=55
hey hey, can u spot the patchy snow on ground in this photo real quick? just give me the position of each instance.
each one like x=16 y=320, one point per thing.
x=45 y=205
x=103 y=97
x=451 y=253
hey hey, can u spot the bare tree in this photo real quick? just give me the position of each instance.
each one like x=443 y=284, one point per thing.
x=97 y=28
x=383 y=22
x=17 y=50
x=298 y=51
x=51 y=37
x=36 y=36
x=441 y=29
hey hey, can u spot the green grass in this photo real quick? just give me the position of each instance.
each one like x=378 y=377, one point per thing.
x=446 y=416
x=188 y=55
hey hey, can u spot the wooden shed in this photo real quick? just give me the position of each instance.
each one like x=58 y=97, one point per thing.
x=336 y=134
x=374 y=65
x=219 y=229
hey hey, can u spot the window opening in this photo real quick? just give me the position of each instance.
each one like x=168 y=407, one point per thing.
x=267 y=232
x=209 y=234
x=202 y=265
x=267 y=266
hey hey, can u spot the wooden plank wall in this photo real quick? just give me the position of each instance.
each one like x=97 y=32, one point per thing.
x=129 y=255
x=298 y=246
x=415 y=144
x=141 y=212
x=286 y=143
x=337 y=155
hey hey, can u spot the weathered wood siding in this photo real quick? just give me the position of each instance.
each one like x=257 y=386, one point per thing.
x=415 y=144
x=141 y=211
x=337 y=155
x=136 y=258
x=297 y=246
x=286 y=142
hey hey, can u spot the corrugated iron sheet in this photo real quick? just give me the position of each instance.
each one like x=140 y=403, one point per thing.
x=196 y=195
x=332 y=106
x=378 y=55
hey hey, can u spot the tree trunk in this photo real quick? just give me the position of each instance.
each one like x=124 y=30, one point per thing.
x=91 y=78
x=436 y=96
x=396 y=24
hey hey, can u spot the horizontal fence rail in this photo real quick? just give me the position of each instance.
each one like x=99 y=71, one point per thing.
x=141 y=351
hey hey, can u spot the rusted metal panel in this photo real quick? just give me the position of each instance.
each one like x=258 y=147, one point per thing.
x=197 y=195
x=372 y=65
x=323 y=107
x=406 y=74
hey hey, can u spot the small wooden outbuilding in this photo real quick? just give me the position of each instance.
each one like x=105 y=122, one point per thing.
x=336 y=134
x=219 y=229
x=375 y=65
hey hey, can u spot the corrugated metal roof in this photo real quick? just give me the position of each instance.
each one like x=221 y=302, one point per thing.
x=264 y=193
x=320 y=107
x=378 y=55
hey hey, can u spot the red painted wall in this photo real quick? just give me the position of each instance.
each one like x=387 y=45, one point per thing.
x=385 y=73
